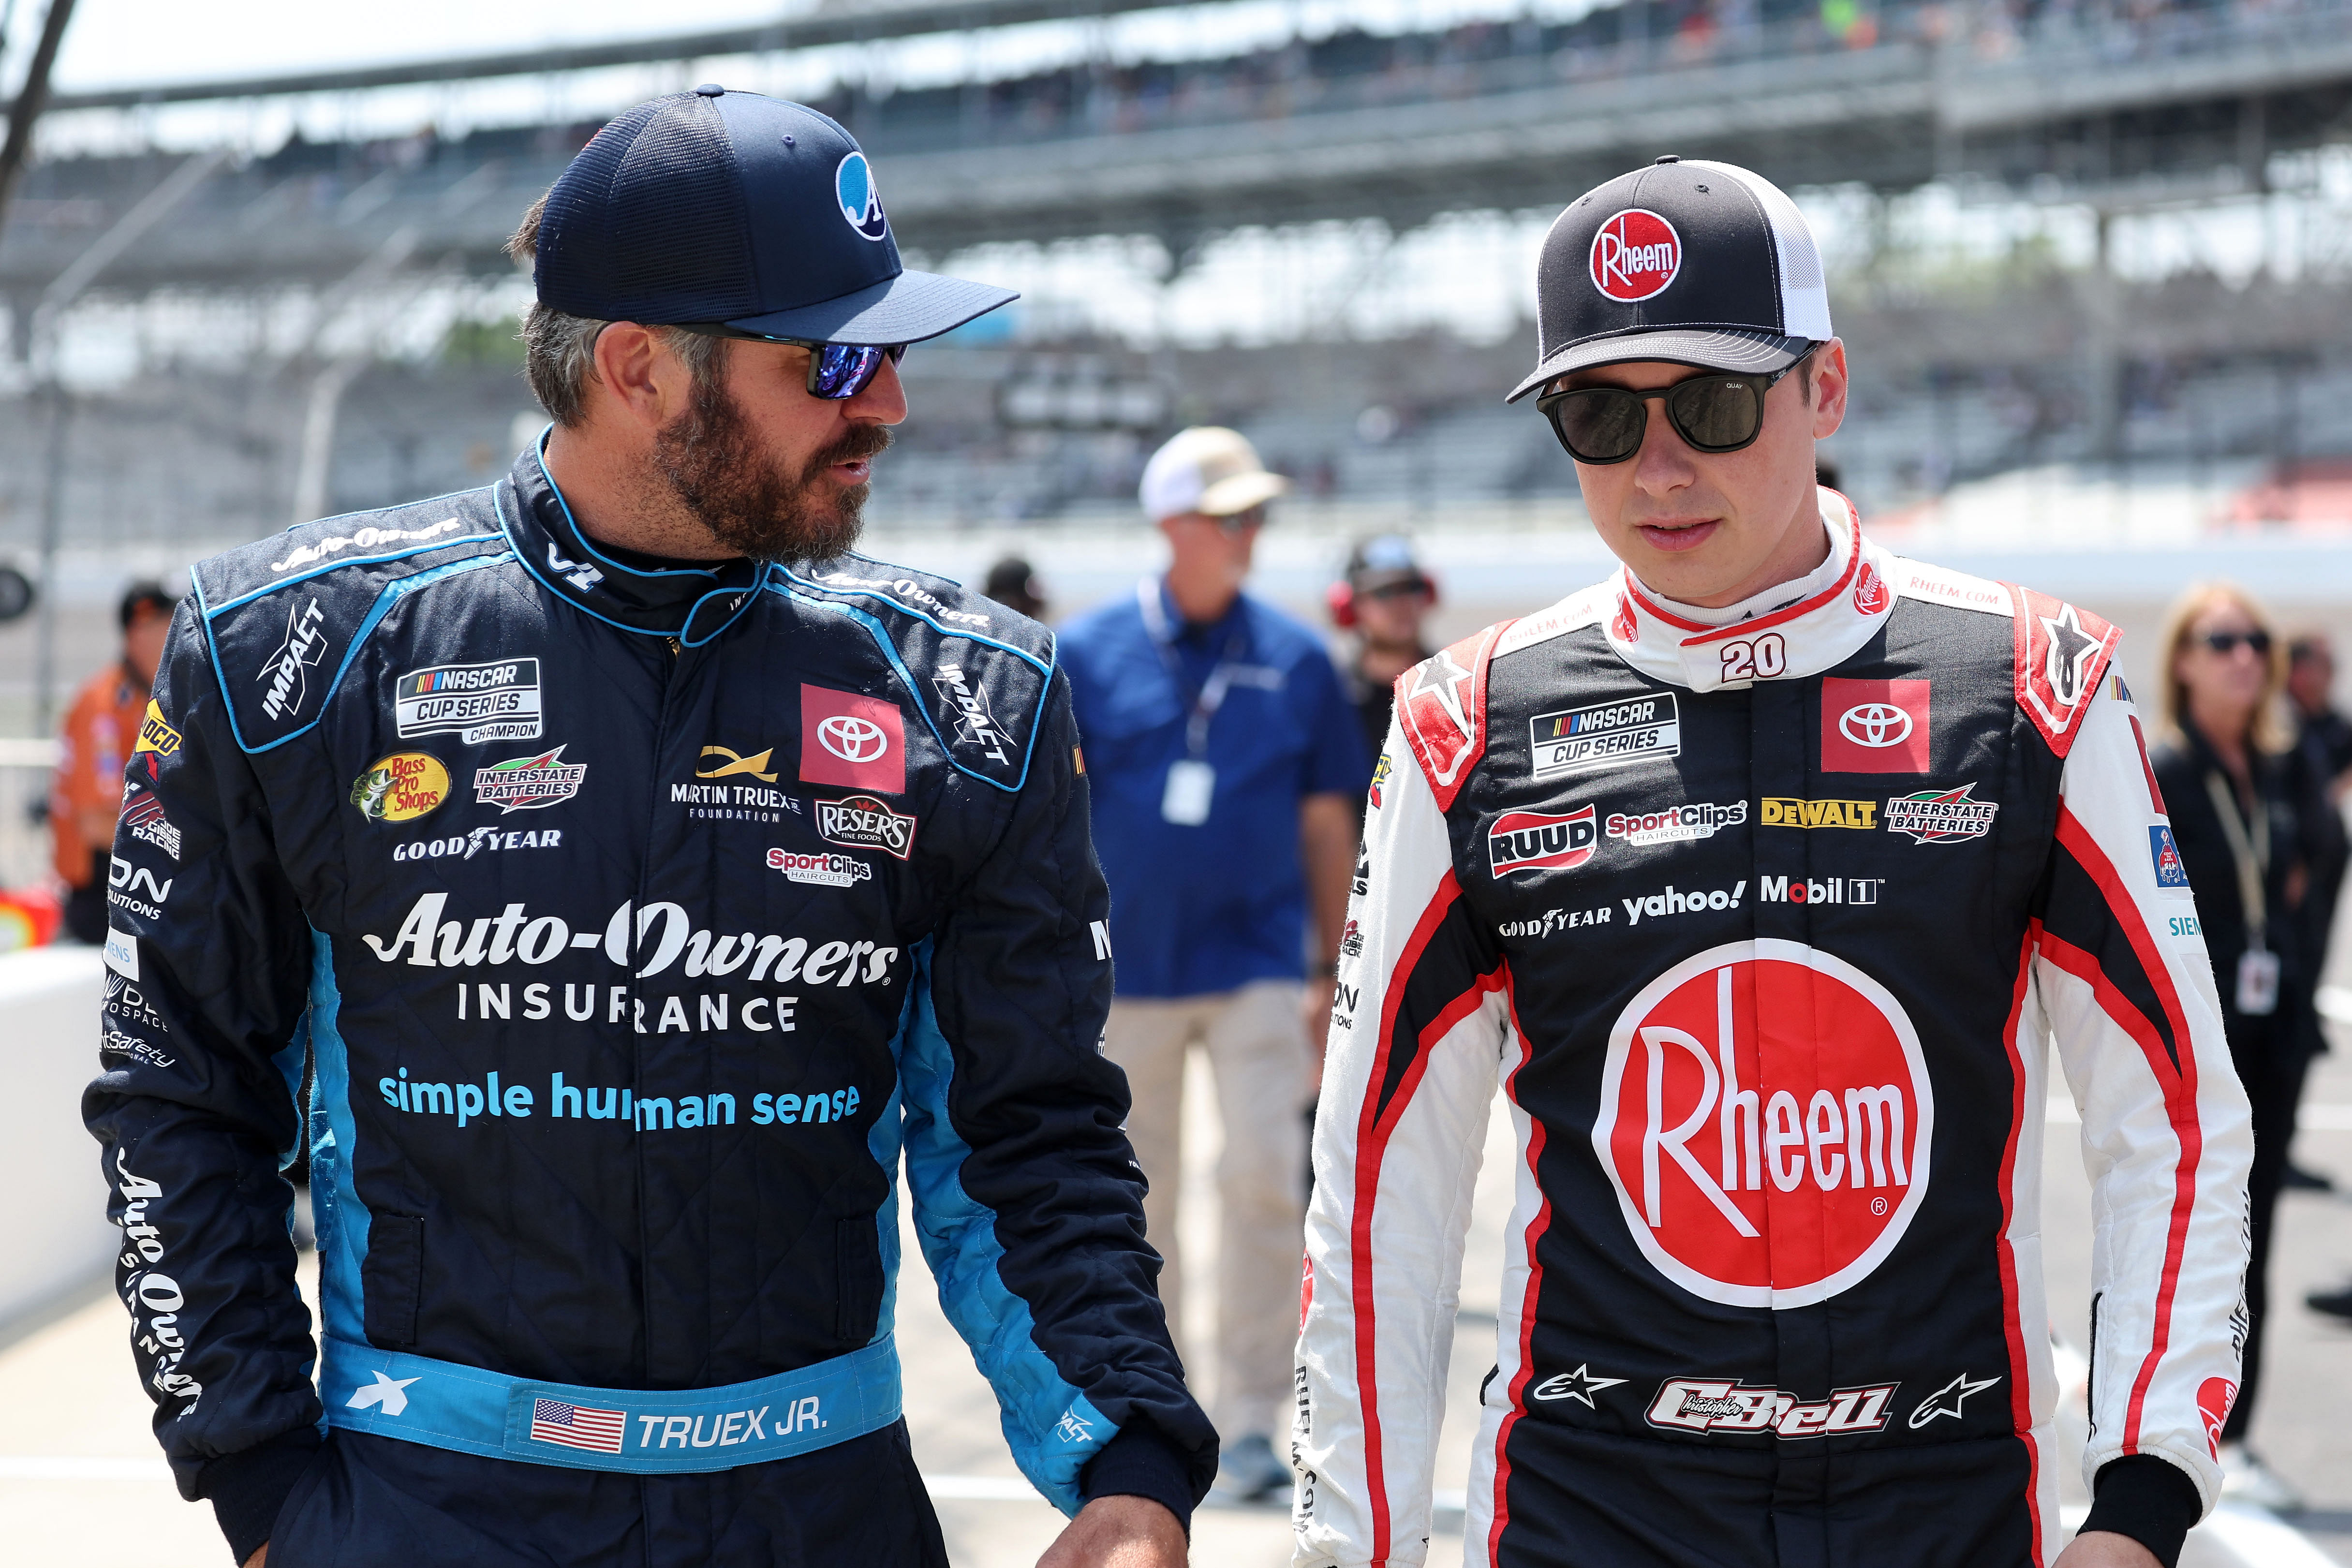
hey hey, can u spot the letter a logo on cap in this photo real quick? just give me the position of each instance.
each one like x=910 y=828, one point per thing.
x=861 y=204
x=1635 y=255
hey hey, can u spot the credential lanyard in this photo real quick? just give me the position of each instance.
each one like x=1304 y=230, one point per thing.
x=1210 y=697
x=2250 y=846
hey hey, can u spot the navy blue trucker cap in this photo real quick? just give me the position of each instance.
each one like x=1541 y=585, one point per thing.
x=719 y=207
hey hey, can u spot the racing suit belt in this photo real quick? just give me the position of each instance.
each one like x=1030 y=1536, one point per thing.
x=420 y=1400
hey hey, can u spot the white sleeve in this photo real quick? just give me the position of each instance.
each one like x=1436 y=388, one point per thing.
x=2121 y=974
x=1414 y=1051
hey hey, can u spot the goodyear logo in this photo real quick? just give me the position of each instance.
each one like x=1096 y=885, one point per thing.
x=156 y=735
x=401 y=787
x=1860 y=813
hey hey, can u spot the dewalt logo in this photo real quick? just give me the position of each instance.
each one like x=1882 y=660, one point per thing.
x=1862 y=814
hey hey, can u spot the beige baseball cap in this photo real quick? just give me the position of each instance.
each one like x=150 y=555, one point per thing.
x=1207 y=469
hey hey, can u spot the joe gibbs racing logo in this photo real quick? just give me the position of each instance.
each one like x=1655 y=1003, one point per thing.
x=1766 y=1119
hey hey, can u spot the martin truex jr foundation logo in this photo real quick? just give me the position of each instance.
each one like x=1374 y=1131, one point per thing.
x=1531 y=841
x=1635 y=255
x=864 y=823
x=1720 y=1405
x=1766 y=1118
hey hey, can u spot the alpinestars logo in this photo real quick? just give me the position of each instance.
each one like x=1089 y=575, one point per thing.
x=975 y=725
x=284 y=672
x=1531 y=841
x=1720 y=1405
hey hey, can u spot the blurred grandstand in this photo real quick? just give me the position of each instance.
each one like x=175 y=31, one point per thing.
x=208 y=338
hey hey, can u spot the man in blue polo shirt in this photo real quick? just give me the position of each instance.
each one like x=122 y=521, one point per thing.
x=1225 y=764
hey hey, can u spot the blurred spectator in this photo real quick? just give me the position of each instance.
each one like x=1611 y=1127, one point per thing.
x=1383 y=596
x=1225 y=766
x=2325 y=738
x=1013 y=582
x=100 y=732
x=2238 y=800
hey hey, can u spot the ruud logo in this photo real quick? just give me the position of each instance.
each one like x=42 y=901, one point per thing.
x=1635 y=255
x=1530 y=841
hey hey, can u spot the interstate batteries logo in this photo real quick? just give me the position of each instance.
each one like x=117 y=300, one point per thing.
x=475 y=702
x=1941 y=816
x=864 y=823
x=1676 y=824
x=526 y=783
x=1605 y=735
x=401 y=787
x=1531 y=841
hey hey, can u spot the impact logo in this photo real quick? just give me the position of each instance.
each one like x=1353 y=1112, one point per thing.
x=1635 y=255
x=1723 y=1121
x=285 y=671
x=861 y=204
x=975 y=725
x=1530 y=841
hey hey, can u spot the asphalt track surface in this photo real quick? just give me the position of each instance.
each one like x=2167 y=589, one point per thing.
x=81 y=1483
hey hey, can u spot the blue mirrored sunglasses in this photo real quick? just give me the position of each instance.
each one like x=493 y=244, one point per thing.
x=836 y=371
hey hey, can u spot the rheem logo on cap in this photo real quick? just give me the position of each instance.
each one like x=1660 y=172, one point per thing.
x=1635 y=255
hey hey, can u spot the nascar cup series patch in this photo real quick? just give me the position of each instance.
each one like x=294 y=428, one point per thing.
x=497 y=701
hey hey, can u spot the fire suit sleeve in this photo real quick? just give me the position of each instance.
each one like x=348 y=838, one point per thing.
x=208 y=959
x=1027 y=1198
x=1415 y=1047
x=2119 y=974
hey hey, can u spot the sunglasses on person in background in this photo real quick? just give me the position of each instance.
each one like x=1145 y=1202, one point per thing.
x=836 y=371
x=1241 y=523
x=2226 y=643
x=1712 y=413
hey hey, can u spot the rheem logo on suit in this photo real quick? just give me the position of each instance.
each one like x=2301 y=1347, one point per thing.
x=1766 y=1118
x=497 y=701
x=1533 y=841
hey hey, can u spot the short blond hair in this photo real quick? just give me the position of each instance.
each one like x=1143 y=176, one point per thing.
x=2270 y=732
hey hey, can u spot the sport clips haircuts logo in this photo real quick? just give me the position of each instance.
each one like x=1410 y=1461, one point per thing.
x=1634 y=256
x=1827 y=1154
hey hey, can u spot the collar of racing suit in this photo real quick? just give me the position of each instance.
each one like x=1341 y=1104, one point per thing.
x=1850 y=599
x=691 y=603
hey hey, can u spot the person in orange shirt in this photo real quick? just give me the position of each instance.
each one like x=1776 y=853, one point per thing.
x=100 y=730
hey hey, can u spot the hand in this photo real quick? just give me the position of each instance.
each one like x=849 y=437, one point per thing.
x=2106 y=1548
x=258 y=1558
x=1119 y=1533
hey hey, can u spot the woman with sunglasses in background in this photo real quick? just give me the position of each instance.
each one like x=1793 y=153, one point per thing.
x=2240 y=806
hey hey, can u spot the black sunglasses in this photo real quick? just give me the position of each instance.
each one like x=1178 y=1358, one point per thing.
x=2226 y=643
x=1715 y=413
x=836 y=371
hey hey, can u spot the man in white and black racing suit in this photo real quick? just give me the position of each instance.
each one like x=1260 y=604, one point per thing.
x=1759 y=877
x=649 y=884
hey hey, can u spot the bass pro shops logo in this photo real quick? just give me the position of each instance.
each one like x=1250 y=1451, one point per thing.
x=1635 y=255
x=1531 y=841
x=1764 y=1090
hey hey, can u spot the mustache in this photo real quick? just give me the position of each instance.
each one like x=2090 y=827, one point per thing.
x=862 y=441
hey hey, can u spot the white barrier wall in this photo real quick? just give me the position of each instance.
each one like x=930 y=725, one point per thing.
x=53 y=1229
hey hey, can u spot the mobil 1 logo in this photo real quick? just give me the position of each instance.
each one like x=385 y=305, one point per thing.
x=1604 y=735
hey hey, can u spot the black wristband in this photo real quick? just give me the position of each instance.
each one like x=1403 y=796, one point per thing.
x=2148 y=1498
x=1139 y=1462
x=249 y=1486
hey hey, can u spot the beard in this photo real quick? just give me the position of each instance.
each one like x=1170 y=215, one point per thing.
x=750 y=500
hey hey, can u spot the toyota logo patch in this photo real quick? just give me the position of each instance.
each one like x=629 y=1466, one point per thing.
x=1875 y=724
x=853 y=740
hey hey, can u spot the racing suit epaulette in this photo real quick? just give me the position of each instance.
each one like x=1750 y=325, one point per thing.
x=977 y=671
x=283 y=616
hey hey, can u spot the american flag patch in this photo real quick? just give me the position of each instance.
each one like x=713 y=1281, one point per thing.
x=577 y=1426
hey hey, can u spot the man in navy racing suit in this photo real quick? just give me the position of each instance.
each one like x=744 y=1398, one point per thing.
x=645 y=877
x=1758 y=877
